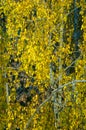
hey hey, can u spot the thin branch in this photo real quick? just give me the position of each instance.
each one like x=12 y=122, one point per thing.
x=54 y=91
x=72 y=63
x=29 y=121
x=74 y=81
x=69 y=67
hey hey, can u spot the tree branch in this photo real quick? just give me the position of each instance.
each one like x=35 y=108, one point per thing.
x=46 y=100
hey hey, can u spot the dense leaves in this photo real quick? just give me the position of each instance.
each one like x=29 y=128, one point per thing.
x=42 y=47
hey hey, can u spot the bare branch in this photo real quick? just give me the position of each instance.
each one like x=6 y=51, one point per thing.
x=54 y=91
x=29 y=121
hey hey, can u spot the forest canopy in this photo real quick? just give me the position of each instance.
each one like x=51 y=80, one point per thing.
x=42 y=65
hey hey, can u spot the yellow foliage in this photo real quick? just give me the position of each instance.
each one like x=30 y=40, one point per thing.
x=38 y=34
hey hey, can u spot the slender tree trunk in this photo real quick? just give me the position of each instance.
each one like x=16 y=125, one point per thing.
x=60 y=65
x=52 y=81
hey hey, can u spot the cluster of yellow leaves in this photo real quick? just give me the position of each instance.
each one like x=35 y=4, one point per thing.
x=34 y=27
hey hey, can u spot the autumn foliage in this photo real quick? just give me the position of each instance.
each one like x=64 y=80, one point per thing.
x=42 y=65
